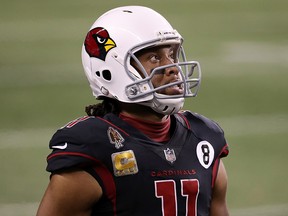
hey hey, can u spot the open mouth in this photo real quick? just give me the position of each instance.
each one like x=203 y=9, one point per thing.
x=175 y=89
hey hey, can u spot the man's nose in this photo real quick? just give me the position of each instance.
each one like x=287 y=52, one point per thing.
x=173 y=70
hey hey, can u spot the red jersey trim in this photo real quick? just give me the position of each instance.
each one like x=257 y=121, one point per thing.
x=114 y=126
x=109 y=184
x=102 y=172
x=73 y=154
x=184 y=119
x=223 y=153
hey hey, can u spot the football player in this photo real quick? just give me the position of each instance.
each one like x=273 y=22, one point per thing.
x=136 y=153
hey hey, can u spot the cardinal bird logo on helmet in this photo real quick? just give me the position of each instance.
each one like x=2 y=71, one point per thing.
x=98 y=43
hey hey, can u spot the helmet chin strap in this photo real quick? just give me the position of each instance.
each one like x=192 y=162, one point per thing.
x=165 y=106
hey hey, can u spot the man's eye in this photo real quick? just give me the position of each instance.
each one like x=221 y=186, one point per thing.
x=172 y=57
x=154 y=58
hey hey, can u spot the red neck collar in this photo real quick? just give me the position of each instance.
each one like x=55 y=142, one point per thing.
x=157 y=131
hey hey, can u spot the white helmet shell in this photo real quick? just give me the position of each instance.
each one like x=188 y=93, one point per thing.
x=110 y=45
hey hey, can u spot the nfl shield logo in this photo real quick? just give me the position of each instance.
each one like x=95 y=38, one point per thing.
x=170 y=155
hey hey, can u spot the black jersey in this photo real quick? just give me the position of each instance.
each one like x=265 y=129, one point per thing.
x=138 y=176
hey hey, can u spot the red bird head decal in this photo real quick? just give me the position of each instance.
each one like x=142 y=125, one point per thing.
x=98 y=43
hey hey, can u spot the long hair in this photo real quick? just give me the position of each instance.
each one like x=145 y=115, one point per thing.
x=108 y=105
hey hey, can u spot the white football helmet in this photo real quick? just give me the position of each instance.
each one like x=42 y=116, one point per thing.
x=111 y=44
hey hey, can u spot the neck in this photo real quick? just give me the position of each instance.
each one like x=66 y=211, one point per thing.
x=142 y=112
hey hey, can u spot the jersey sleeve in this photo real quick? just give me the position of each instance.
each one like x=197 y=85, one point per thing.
x=79 y=144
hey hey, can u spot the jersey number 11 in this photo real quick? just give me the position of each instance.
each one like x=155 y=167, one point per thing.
x=166 y=191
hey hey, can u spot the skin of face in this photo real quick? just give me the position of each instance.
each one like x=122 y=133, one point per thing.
x=154 y=57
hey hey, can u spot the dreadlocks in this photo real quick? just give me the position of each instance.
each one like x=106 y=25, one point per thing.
x=106 y=106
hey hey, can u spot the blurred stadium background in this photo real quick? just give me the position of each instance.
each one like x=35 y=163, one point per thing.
x=242 y=46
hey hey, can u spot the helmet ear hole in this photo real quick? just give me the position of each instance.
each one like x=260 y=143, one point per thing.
x=107 y=75
x=97 y=73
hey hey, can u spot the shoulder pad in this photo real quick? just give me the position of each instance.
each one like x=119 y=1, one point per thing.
x=205 y=129
x=200 y=120
x=76 y=131
x=80 y=142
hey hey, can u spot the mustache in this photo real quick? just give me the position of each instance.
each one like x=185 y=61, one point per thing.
x=163 y=70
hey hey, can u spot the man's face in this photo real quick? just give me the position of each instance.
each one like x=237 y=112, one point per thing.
x=156 y=57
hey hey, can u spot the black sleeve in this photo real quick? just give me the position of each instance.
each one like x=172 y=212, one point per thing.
x=79 y=144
